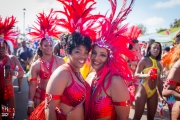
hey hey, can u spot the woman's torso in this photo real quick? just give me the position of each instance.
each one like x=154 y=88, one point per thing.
x=103 y=104
x=73 y=98
x=151 y=63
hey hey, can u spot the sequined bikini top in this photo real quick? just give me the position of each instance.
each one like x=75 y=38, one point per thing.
x=74 y=94
x=42 y=73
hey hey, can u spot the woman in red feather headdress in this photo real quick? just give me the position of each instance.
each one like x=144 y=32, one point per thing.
x=7 y=98
x=66 y=90
x=42 y=68
x=110 y=98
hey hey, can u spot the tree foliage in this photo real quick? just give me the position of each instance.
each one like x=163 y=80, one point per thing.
x=142 y=27
x=175 y=24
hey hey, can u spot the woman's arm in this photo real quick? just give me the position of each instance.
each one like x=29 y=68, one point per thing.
x=56 y=85
x=18 y=73
x=173 y=77
x=160 y=83
x=119 y=94
x=32 y=86
x=139 y=69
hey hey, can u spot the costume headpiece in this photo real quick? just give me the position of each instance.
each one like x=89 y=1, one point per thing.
x=113 y=39
x=6 y=31
x=133 y=33
x=47 y=27
x=78 y=17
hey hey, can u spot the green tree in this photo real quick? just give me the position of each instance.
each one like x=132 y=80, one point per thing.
x=142 y=27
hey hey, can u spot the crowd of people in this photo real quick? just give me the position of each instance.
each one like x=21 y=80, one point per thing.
x=92 y=72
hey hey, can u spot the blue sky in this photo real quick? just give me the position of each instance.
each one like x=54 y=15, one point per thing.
x=154 y=14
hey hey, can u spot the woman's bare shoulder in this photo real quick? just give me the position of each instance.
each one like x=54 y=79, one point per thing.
x=117 y=81
x=60 y=60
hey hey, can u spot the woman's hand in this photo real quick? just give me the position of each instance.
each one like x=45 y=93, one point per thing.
x=30 y=110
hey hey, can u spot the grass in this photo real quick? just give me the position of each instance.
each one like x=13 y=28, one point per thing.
x=171 y=31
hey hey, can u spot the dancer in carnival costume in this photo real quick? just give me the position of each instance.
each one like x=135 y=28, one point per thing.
x=133 y=34
x=66 y=90
x=110 y=98
x=9 y=66
x=149 y=69
x=42 y=68
x=171 y=90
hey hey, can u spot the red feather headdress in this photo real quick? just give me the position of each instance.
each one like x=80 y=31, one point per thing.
x=113 y=39
x=78 y=17
x=133 y=33
x=6 y=31
x=47 y=27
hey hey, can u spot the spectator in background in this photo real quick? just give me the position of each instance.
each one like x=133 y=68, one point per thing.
x=25 y=55
x=150 y=41
x=166 y=50
x=58 y=49
x=143 y=48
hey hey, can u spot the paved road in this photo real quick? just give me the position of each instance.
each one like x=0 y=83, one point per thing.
x=21 y=100
x=21 y=104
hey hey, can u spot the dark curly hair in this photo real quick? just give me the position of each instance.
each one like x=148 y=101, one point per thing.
x=131 y=44
x=148 y=53
x=39 y=52
x=70 y=41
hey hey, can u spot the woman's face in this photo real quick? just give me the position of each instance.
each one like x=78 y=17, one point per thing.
x=46 y=47
x=155 y=49
x=136 y=46
x=99 y=57
x=78 y=56
x=3 y=49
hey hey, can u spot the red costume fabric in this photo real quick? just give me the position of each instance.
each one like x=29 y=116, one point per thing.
x=74 y=95
x=44 y=76
x=6 y=33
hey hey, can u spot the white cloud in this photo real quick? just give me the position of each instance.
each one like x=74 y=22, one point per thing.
x=167 y=4
x=154 y=21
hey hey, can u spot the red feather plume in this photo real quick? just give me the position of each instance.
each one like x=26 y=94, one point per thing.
x=78 y=17
x=115 y=41
x=47 y=25
x=6 y=29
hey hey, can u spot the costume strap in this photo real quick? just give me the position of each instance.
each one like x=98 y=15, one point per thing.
x=68 y=113
x=33 y=79
x=171 y=82
x=50 y=97
x=122 y=103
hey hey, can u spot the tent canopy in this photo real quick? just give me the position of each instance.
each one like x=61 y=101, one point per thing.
x=158 y=37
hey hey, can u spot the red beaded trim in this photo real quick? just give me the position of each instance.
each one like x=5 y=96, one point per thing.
x=172 y=82
x=52 y=97
x=123 y=103
x=33 y=79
